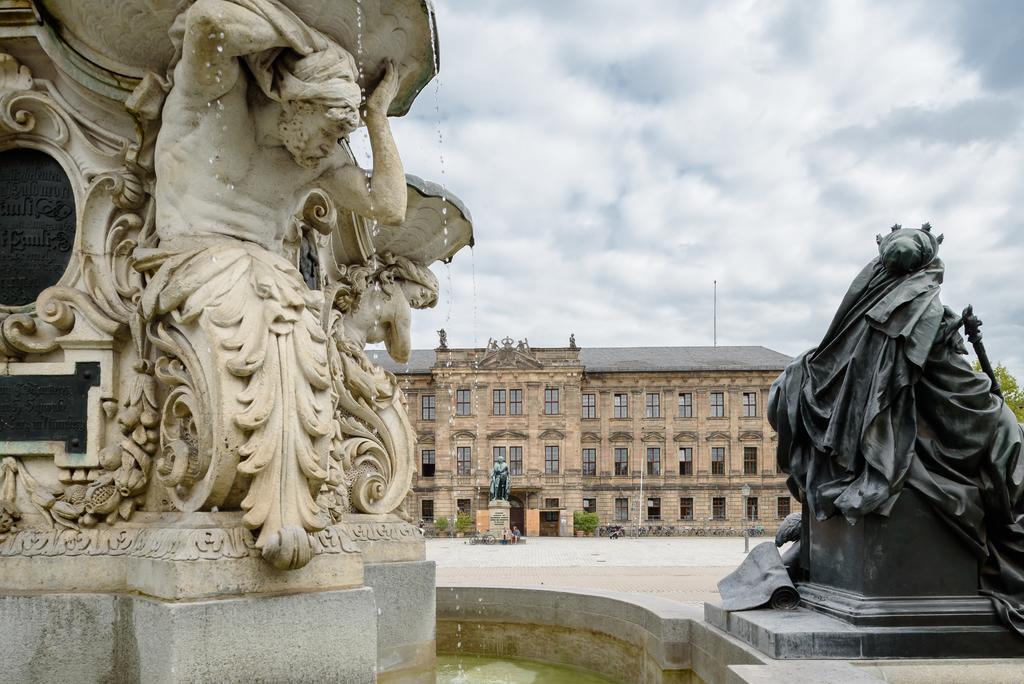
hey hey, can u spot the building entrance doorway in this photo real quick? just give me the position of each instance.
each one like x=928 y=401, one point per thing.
x=549 y=523
x=516 y=514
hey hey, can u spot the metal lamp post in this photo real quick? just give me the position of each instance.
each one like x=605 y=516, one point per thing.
x=745 y=491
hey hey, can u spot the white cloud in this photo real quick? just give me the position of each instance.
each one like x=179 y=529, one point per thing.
x=619 y=156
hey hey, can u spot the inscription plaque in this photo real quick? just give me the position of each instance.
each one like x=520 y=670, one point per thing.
x=37 y=224
x=48 y=408
x=498 y=520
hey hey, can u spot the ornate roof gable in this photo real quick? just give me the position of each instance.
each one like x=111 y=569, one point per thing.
x=508 y=356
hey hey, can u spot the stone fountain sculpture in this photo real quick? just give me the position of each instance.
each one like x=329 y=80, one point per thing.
x=186 y=409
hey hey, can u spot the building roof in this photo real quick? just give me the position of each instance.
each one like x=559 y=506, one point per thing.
x=636 y=359
x=631 y=359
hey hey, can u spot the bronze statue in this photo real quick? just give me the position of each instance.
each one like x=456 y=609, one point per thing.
x=499 y=480
x=886 y=402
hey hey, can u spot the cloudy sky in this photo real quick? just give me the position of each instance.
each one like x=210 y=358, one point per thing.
x=620 y=156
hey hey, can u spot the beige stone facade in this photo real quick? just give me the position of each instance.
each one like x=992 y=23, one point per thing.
x=588 y=428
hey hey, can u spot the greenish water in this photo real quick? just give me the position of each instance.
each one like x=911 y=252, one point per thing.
x=481 y=670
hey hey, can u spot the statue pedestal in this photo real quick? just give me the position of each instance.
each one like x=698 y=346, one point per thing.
x=897 y=587
x=498 y=517
x=188 y=598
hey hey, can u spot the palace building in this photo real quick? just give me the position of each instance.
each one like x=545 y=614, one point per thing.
x=653 y=436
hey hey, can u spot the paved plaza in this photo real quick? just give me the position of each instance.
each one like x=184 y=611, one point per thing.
x=684 y=569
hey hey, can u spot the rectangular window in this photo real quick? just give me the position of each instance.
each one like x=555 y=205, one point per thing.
x=621 y=406
x=622 y=509
x=550 y=460
x=686 y=460
x=515 y=460
x=750 y=460
x=749 y=404
x=590 y=461
x=427 y=407
x=685 y=405
x=498 y=402
x=751 y=508
x=463 y=460
x=549 y=516
x=718 y=460
x=652 y=409
x=495 y=453
x=654 y=509
x=427 y=509
x=621 y=461
x=717 y=402
x=462 y=402
x=515 y=402
x=590 y=406
x=551 y=401
x=427 y=463
x=686 y=508
x=463 y=506
x=718 y=508
x=550 y=503
x=590 y=505
x=782 y=507
x=653 y=461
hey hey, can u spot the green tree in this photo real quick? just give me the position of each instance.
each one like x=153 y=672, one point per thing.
x=441 y=524
x=463 y=522
x=1013 y=393
x=584 y=522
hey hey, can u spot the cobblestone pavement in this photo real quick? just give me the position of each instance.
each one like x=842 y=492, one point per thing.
x=683 y=569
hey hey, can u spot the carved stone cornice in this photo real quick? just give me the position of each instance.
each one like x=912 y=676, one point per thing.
x=463 y=434
x=551 y=433
x=685 y=436
x=653 y=437
x=751 y=436
x=717 y=435
x=621 y=437
x=590 y=438
x=425 y=438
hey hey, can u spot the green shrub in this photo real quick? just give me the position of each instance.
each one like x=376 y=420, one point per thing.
x=441 y=524
x=463 y=522
x=584 y=522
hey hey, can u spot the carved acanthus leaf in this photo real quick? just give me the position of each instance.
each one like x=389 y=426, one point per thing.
x=14 y=76
x=253 y=384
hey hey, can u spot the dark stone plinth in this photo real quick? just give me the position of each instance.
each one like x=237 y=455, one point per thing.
x=910 y=553
x=902 y=586
x=904 y=570
x=809 y=635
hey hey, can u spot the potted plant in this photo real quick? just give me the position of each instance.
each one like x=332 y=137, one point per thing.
x=584 y=523
x=441 y=525
x=463 y=523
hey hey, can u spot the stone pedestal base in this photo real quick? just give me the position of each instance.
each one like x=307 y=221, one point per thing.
x=810 y=635
x=405 y=594
x=193 y=601
x=323 y=636
x=498 y=516
x=902 y=586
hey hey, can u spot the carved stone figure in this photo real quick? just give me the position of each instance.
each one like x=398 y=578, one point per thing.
x=248 y=136
x=886 y=407
x=499 y=480
x=442 y=339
